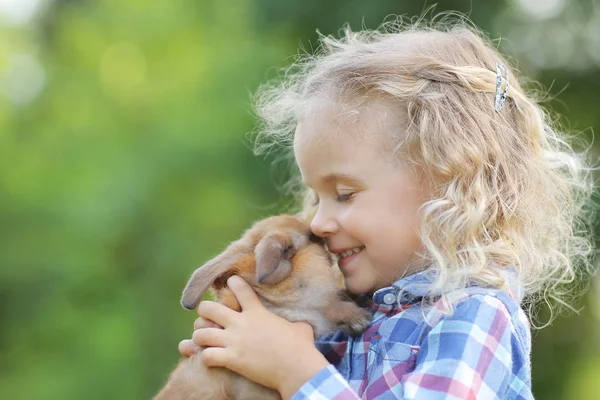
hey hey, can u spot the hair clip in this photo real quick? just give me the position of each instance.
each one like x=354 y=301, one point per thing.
x=501 y=98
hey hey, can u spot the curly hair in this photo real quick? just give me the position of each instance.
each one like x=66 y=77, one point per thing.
x=510 y=189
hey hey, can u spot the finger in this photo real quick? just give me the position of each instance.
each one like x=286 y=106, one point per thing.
x=209 y=337
x=215 y=357
x=217 y=313
x=204 y=323
x=187 y=348
x=243 y=292
x=305 y=328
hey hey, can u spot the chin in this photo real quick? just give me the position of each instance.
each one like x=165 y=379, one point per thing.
x=358 y=286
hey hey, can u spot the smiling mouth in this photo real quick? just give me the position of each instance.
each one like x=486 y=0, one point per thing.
x=348 y=253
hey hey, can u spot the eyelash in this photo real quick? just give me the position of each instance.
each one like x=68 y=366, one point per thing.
x=340 y=198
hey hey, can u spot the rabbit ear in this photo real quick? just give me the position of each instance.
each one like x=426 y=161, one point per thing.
x=273 y=258
x=205 y=276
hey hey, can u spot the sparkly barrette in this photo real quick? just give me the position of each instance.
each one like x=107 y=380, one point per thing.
x=501 y=98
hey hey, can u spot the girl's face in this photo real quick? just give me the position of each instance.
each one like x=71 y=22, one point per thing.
x=367 y=203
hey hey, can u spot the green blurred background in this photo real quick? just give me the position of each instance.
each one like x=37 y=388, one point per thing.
x=124 y=166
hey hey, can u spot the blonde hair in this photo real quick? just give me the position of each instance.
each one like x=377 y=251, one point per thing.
x=510 y=189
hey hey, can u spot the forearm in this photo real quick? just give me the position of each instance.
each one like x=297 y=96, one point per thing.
x=299 y=371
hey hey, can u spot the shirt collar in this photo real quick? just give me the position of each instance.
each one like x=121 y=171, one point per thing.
x=413 y=288
x=405 y=290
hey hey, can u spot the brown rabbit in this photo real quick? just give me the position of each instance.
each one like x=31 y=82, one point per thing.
x=293 y=275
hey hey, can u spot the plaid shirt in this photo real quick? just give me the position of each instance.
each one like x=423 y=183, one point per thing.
x=415 y=351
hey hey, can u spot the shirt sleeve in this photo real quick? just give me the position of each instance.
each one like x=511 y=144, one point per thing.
x=466 y=355
x=327 y=384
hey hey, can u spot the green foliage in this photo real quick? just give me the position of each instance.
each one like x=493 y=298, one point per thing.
x=129 y=169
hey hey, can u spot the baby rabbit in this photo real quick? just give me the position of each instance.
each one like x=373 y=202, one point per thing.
x=294 y=277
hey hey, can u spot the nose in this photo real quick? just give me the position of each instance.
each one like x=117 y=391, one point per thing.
x=323 y=225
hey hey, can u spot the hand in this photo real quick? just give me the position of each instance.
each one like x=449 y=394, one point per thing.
x=187 y=347
x=256 y=343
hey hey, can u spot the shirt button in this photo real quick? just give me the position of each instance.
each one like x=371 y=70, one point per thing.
x=389 y=298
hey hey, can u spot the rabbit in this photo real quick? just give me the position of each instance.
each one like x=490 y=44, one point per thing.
x=294 y=276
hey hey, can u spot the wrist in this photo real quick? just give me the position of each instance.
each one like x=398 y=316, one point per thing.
x=299 y=371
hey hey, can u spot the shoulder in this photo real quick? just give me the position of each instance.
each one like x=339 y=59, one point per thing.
x=484 y=312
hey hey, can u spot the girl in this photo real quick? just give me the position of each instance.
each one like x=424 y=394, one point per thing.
x=447 y=197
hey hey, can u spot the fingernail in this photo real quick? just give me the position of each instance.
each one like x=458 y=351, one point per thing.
x=234 y=279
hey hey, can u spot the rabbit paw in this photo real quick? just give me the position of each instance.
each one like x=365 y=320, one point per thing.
x=357 y=323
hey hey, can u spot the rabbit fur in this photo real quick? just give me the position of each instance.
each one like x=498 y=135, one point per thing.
x=294 y=276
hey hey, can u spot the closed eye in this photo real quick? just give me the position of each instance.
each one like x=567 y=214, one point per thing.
x=341 y=198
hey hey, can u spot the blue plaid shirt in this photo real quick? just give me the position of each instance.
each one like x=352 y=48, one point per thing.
x=413 y=350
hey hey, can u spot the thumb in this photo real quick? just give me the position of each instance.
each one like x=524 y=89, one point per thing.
x=243 y=292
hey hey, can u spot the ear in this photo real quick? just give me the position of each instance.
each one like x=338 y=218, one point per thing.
x=205 y=276
x=273 y=257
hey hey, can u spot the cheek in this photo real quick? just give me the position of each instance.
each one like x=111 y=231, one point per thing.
x=401 y=219
x=357 y=223
x=393 y=240
x=387 y=228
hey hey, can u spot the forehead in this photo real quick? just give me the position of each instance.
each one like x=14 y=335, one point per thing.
x=336 y=142
x=372 y=121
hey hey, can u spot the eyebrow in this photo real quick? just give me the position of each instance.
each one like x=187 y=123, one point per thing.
x=331 y=178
